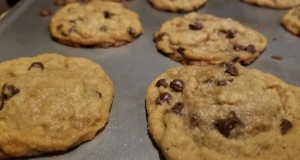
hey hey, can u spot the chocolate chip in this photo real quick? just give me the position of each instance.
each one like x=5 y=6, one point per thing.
x=45 y=12
x=72 y=29
x=9 y=90
x=208 y=81
x=285 y=126
x=235 y=59
x=195 y=26
x=181 y=51
x=194 y=119
x=224 y=82
x=251 y=48
x=238 y=47
x=1 y=102
x=226 y=125
x=231 y=33
x=161 y=82
x=177 y=85
x=107 y=15
x=59 y=27
x=103 y=28
x=131 y=32
x=177 y=108
x=231 y=69
x=165 y=96
x=60 y=2
x=160 y=36
x=37 y=65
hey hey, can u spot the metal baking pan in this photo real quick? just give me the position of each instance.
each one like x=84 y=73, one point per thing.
x=133 y=66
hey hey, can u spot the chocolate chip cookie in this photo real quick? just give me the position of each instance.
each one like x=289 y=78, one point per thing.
x=223 y=112
x=177 y=5
x=197 y=39
x=291 y=21
x=50 y=103
x=277 y=4
x=95 y=24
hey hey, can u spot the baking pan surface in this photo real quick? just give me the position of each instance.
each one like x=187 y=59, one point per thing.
x=23 y=32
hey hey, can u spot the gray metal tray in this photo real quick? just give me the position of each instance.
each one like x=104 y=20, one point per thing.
x=132 y=67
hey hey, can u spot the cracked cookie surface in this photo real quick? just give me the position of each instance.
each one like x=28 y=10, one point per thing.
x=223 y=112
x=51 y=103
x=291 y=21
x=208 y=40
x=177 y=5
x=95 y=24
x=277 y=4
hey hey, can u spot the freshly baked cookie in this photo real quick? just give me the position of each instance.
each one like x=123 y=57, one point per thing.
x=223 y=112
x=51 y=103
x=291 y=20
x=205 y=39
x=177 y=5
x=95 y=24
x=278 y=4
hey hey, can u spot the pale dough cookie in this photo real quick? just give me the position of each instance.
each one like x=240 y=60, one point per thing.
x=224 y=112
x=207 y=40
x=95 y=24
x=177 y=5
x=291 y=20
x=278 y=4
x=51 y=103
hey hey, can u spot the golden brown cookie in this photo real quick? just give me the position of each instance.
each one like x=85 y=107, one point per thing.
x=95 y=24
x=208 y=40
x=177 y=5
x=291 y=21
x=224 y=112
x=51 y=103
x=277 y=4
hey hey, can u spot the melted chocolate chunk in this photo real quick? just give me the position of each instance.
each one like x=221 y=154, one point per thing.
x=181 y=51
x=194 y=119
x=59 y=27
x=9 y=91
x=1 y=103
x=131 y=32
x=177 y=85
x=238 y=47
x=103 y=28
x=107 y=15
x=165 y=96
x=45 y=12
x=72 y=29
x=226 y=125
x=37 y=65
x=208 y=81
x=161 y=82
x=177 y=108
x=224 y=82
x=160 y=36
x=231 y=33
x=195 y=26
x=285 y=126
x=231 y=69
x=251 y=48
x=235 y=59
